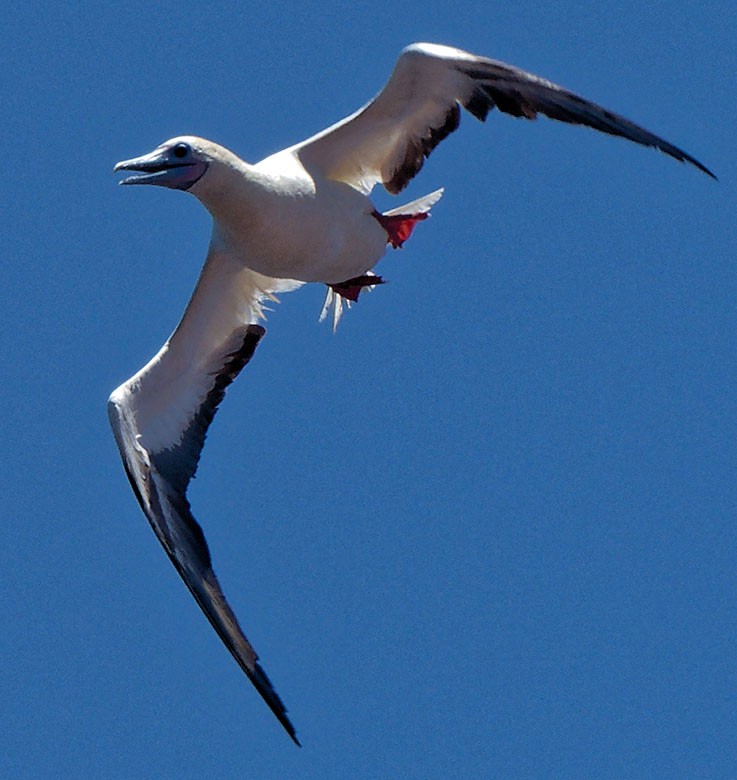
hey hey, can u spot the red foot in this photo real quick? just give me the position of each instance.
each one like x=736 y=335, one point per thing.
x=399 y=227
x=351 y=288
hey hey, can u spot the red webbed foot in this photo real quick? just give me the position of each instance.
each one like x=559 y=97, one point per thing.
x=399 y=227
x=351 y=288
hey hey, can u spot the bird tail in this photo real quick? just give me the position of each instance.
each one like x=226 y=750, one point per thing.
x=420 y=206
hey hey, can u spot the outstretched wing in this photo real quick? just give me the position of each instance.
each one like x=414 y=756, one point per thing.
x=160 y=418
x=388 y=140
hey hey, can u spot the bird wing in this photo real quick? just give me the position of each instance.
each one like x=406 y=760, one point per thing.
x=160 y=418
x=388 y=140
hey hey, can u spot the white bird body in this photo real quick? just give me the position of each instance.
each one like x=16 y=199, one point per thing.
x=301 y=215
x=284 y=222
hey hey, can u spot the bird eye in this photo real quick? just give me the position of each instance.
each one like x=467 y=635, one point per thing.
x=180 y=150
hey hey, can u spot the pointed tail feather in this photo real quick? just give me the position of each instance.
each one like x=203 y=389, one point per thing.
x=420 y=206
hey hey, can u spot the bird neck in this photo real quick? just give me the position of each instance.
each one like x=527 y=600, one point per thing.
x=229 y=191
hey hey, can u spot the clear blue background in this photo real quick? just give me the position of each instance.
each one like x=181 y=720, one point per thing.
x=485 y=530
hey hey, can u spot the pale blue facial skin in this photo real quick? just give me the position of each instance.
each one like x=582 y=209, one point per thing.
x=174 y=166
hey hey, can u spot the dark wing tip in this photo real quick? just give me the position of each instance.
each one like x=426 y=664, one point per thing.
x=263 y=685
x=522 y=94
x=700 y=166
x=684 y=157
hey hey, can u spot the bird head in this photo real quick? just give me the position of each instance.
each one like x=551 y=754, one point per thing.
x=178 y=164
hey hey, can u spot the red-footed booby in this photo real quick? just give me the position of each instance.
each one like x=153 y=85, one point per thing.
x=301 y=215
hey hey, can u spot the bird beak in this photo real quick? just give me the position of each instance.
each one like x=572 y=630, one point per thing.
x=160 y=167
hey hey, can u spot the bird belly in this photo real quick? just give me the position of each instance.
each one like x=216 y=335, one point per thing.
x=311 y=243
x=308 y=230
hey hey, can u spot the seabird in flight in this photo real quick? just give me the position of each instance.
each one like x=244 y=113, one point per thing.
x=301 y=215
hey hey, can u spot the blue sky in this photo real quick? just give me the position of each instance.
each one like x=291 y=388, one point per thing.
x=487 y=528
